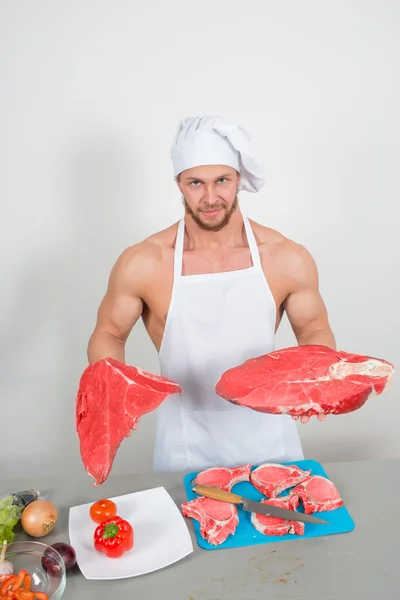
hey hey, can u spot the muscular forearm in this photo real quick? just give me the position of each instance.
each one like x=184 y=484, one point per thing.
x=103 y=345
x=324 y=337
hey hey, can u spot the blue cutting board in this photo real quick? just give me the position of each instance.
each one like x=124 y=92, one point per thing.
x=339 y=519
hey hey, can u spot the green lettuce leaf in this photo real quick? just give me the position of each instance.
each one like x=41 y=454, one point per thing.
x=10 y=514
x=6 y=533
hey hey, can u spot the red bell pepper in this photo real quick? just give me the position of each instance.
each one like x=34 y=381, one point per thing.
x=113 y=536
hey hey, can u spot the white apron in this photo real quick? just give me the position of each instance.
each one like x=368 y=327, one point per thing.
x=217 y=321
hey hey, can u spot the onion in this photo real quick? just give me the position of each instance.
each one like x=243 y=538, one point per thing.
x=39 y=518
x=67 y=553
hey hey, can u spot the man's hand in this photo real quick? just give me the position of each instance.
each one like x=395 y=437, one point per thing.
x=135 y=423
x=134 y=426
x=320 y=417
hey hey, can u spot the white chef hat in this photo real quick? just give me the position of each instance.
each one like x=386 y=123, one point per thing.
x=212 y=140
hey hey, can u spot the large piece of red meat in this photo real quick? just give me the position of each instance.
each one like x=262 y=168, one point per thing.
x=305 y=381
x=111 y=398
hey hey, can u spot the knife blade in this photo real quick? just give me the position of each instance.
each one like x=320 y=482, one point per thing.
x=252 y=506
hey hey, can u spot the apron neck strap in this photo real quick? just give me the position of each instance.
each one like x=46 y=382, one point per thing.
x=255 y=255
x=178 y=255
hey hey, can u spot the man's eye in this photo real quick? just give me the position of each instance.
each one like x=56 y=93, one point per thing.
x=193 y=183
x=222 y=180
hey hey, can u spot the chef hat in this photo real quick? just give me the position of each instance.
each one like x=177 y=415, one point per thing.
x=212 y=140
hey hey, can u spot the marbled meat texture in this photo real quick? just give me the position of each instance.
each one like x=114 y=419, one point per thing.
x=268 y=525
x=223 y=477
x=111 y=398
x=318 y=494
x=217 y=519
x=271 y=479
x=305 y=381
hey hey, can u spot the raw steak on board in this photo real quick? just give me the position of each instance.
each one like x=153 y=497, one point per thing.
x=217 y=519
x=305 y=381
x=223 y=477
x=274 y=525
x=271 y=479
x=111 y=398
x=318 y=494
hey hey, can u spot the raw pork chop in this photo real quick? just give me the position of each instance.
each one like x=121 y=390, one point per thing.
x=271 y=479
x=318 y=494
x=274 y=525
x=217 y=518
x=305 y=381
x=223 y=477
x=111 y=398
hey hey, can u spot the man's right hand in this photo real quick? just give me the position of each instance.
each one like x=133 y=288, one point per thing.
x=135 y=423
x=134 y=426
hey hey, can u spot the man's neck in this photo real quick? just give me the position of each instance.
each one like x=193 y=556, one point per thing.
x=231 y=235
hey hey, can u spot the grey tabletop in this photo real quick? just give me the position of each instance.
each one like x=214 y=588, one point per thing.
x=362 y=564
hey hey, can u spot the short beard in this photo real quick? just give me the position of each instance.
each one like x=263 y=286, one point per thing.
x=209 y=226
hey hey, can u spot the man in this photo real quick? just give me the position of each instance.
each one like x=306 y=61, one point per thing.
x=211 y=291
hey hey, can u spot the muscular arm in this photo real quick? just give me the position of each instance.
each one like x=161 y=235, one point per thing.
x=304 y=305
x=119 y=310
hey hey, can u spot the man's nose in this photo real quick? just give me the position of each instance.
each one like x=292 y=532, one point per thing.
x=211 y=196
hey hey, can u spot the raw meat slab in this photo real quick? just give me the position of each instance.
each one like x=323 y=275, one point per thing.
x=224 y=478
x=317 y=495
x=305 y=381
x=272 y=479
x=217 y=519
x=268 y=525
x=111 y=398
x=339 y=520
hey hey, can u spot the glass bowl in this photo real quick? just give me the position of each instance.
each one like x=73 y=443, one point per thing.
x=28 y=555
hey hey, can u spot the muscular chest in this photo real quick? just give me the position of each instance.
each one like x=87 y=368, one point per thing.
x=197 y=262
x=158 y=292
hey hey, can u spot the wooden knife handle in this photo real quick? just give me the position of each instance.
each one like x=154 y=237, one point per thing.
x=217 y=494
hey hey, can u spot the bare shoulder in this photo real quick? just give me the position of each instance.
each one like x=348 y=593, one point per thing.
x=142 y=260
x=285 y=256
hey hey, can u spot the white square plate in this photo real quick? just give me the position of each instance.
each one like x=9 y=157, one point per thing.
x=161 y=536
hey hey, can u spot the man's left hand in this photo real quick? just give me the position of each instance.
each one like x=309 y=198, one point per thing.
x=303 y=419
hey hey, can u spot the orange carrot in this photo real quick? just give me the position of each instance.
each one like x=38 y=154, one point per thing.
x=7 y=583
x=24 y=595
x=27 y=582
x=19 y=580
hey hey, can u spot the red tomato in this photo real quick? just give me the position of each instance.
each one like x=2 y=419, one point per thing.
x=102 y=510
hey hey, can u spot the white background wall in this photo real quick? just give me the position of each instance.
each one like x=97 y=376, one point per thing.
x=91 y=94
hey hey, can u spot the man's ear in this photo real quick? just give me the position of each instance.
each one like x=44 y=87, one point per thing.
x=238 y=180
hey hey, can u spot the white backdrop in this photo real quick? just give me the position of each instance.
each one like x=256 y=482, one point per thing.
x=91 y=94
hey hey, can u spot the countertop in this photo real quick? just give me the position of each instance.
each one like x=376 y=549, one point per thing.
x=361 y=565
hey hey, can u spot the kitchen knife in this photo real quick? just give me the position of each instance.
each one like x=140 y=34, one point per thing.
x=250 y=505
